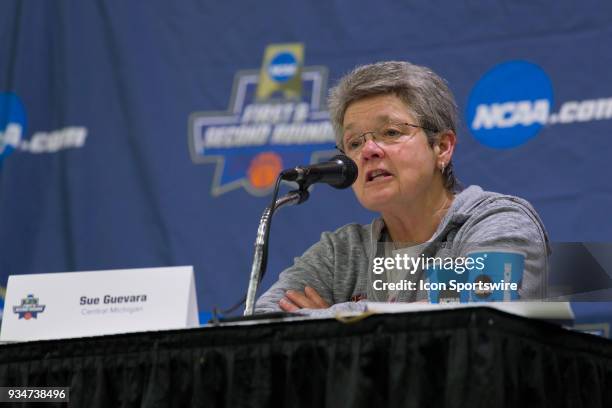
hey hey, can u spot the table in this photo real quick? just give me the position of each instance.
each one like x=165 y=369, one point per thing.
x=456 y=358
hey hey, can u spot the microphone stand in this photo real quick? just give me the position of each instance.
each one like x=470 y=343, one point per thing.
x=261 y=242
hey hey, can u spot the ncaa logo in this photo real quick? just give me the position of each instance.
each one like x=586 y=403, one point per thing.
x=509 y=104
x=12 y=123
x=283 y=67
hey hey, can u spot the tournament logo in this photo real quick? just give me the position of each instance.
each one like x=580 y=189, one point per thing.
x=13 y=123
x=513 y=101
x=29 y=308
x=276 y=119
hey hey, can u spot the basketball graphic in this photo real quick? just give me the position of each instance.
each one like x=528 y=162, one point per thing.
x=264 y=169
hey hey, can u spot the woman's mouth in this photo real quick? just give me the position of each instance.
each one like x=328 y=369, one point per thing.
x=377 y=175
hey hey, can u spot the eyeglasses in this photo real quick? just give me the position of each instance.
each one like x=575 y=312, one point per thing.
x=388 y=134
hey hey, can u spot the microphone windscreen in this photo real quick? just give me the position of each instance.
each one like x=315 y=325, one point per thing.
x=350 y=171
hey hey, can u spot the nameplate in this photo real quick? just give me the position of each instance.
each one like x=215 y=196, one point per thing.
x=77 y=304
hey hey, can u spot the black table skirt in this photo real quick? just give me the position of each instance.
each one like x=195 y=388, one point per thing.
x=456 y=358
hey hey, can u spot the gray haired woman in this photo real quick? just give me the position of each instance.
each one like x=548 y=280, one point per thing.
x=398 y=122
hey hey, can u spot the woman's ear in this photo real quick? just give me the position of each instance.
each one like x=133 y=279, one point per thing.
x=445 y=147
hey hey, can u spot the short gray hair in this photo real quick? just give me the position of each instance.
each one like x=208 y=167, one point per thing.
x=425 y=94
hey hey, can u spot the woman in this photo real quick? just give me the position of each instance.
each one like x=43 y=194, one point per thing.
x=397 y=121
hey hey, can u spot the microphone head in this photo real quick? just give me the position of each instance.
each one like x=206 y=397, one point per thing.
x=349 y=171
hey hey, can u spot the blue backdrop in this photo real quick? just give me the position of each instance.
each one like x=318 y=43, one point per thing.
x=143 y=134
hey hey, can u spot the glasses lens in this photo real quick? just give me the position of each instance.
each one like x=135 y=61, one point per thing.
x=354 y=144
x=392 y=132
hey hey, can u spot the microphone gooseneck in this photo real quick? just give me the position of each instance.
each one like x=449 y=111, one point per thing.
x=339 y=172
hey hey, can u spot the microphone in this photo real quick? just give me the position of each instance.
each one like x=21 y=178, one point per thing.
x=339 y=172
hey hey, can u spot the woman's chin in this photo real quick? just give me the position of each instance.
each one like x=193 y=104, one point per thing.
x=378 y=202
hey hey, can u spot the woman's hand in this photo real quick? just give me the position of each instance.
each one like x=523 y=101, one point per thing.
x=295 y=300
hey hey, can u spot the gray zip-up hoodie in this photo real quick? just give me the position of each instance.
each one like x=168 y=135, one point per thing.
x=339 y=266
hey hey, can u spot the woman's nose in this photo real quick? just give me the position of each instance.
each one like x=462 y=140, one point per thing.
x=371 y=149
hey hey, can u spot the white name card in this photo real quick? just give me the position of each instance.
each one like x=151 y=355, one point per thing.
x=76 y=304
